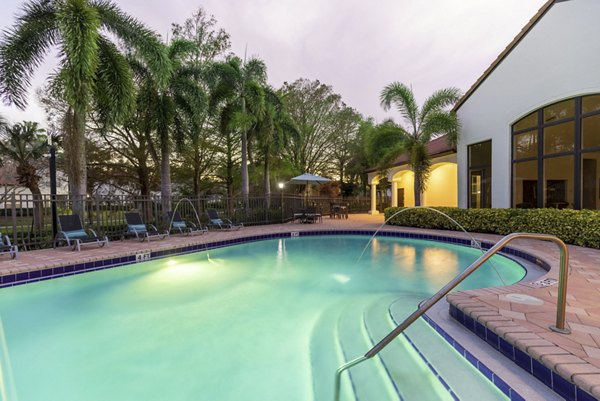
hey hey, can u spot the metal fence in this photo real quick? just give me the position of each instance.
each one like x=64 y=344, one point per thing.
x=27 y=219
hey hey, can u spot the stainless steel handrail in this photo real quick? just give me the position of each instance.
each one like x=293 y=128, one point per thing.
x=560 y=326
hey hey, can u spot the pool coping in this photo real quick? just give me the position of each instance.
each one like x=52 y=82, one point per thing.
x=10 y=279
x=24 y=277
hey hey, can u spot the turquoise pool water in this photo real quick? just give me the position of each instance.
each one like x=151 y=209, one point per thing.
x=234 y=323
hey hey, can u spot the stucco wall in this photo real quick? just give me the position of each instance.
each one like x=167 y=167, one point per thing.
x=441 y=187
x=557 y=59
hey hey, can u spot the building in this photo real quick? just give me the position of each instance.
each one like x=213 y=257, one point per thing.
x=530 y=133
x=442 y=185
x=531 y=124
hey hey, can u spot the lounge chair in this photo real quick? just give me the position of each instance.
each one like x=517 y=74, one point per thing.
x=6 y=246
x=183 y=226
x=221 y=223
x=73 y=234
x=142 y=231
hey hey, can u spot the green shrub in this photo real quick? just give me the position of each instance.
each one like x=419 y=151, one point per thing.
x=577 y=227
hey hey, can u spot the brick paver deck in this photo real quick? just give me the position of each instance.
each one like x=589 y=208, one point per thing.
x=575 y=356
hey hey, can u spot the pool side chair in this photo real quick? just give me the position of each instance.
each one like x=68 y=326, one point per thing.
x=6 y=246
x=136 y=227
x=177 y=224
x=221 y=223
x=72 y=232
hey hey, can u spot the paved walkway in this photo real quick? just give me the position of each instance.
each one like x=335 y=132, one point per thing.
x=575 y=356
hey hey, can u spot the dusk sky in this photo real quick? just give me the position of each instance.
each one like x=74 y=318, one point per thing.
x=357 y=47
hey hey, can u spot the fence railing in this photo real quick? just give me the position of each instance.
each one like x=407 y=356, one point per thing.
x=27 y=219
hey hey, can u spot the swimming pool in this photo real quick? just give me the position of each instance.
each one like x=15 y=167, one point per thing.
x=246 y=322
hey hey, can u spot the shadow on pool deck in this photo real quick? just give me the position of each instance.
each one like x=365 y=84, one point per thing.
x=575 y=357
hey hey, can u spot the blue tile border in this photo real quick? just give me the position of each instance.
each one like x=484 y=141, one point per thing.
x=496 y=380
x=553 y=380
x=10 y=280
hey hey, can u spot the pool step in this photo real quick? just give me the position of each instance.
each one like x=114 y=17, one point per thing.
x=326 y=355
x=346 y=331
x=463 y=379
x=412 y=378
x=370 y=380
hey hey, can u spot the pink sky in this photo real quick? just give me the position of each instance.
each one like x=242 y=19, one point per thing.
x=358 y=47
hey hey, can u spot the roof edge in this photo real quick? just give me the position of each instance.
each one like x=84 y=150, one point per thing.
x=526 y=29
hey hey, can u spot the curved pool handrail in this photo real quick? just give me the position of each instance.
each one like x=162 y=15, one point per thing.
x=560 y=326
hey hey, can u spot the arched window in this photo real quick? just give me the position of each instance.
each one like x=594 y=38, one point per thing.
x=556 y=156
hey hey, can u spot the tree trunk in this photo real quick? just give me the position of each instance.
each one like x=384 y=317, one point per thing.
x=77 y=162
x=267 y=182
x=38 y=218
x=245 y=183
x=196 y=183
x=165 y=179
x=417 y=189
x=229 y=174
x=144 y=177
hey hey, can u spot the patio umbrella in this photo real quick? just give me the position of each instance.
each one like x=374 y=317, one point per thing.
x=306 y=179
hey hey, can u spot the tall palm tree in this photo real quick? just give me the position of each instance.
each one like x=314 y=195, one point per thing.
x=91 y=70
x=24 y=144
x=271 y=129
x=421 y=126
x=240 y=85
x=172 y=110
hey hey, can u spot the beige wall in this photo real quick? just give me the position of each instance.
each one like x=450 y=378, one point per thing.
x=406 y=179
x=442 y=187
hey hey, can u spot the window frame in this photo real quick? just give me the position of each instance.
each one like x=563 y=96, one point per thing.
x=541 y=157
x=482 y=167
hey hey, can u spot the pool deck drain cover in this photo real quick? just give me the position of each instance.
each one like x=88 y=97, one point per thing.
x=547 y=282
x=523 y=299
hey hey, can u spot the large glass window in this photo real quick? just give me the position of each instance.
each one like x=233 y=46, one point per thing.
x=525 y=183
x=559 y=138
x=590 y=176
x=559 y=173
x=480 y=175
x=556 y=154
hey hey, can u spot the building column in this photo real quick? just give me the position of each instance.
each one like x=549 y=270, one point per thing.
x=373 y=210
x=394 y=194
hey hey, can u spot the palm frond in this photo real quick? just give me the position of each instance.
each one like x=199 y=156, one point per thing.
x=179 y=48
x=255 y=98
x=23 y=47
x=440 y=123
x=255 y=69
x=387 y=142
x=114 y=85
x=78 y=24
x=402 y=97
x=439 y=100
x=136 y=35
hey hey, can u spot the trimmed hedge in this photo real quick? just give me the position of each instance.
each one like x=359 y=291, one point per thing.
x=577 y=227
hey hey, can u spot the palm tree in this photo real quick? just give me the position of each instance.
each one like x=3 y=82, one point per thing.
x=422 y=125
x=174 y=110
x=25 y=144
x=240 y=85
x=271 y=130
x=91 y=70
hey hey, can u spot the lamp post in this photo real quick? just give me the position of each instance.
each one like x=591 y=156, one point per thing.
x=53 y=185
x=281 y=185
